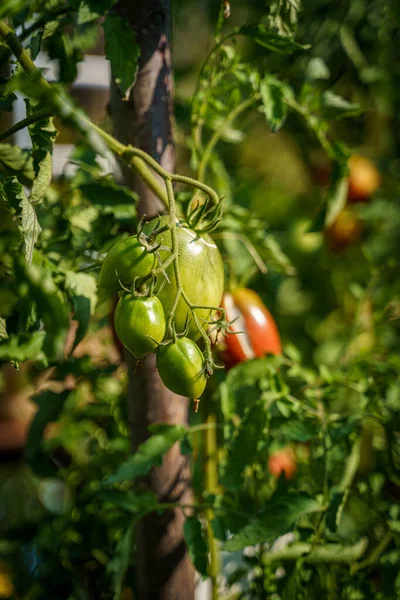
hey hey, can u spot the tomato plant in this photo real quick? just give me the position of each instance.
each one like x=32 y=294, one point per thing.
x=253 y=330
x=139 y=323
x=291 y=465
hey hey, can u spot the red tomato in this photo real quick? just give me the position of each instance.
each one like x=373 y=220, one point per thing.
x=282 y=461
x=364 y=179
x=259 y=333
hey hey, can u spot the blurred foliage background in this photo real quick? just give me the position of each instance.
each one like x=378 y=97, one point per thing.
x=337 y=303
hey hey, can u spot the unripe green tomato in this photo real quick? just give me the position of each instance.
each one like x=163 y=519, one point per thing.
x=201 y=270
x=137 y=321
x=129 y=259
x=181 y=368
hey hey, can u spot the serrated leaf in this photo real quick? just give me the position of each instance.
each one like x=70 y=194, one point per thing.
x=43 y=134
x=50 y=406
x=15 y=195
x=270 y=39
x=148 y=455
x=278 y=517
x=273 y=101
x=196 y=541
x=14 y=161
x=122 y=51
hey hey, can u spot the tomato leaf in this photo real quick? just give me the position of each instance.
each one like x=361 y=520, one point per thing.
x=273 y=100
x=196 y=541
x=82 y=289
x=277 y=518
x=15 y=195
x=242 y=450
x=19 y=348
x=148 y=455
x=3 y=329
x=122 y=51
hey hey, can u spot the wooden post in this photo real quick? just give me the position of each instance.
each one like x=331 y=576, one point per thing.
x=164 y=570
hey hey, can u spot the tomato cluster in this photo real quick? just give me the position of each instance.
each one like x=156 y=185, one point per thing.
x=252 y=332
x=133 y=267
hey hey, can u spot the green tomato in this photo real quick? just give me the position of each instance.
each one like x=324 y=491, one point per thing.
x=201 y=270
x=181 y=368
x=139 y=324
x=129 y=259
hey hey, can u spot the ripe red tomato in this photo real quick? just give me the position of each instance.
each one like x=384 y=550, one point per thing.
x=259 y=333
x=344 y=231
x=282 y=461
x=364 y=179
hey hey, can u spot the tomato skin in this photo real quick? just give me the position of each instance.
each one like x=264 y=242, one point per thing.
x=282 y=461
x=201 y=270
x=260 y=334
x=136 y=319
x=364 y=179
x=130 y=259
x=344 y=231
x=181 y=368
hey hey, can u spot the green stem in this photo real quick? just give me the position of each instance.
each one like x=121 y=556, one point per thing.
x=329 y=553
x=372 y=559
x=218 y=134
x=211 y=482
x=37 y=116
x=174 y=247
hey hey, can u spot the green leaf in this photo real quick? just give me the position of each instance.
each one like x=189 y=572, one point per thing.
x=43 y=134
x=148 y=455
x=336 y=106
x=196 y=541
x=273 y=99
x=278 y=517
x=22 y=348
x=90 y=10
x=118 y=565
x=14 y=161
x=317 y=69
x=107 y=196
x=50 y=303
x=242 y=450
x=82 y=289
x=270 y=39
x=50 y=407
x=15 y=195
x=122 y=51
x=35 y=43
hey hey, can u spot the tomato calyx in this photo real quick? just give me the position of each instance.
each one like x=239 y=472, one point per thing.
x=205 y=217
